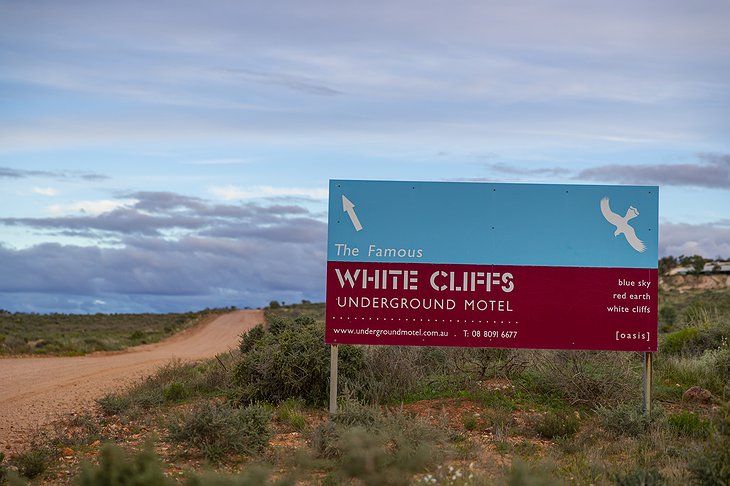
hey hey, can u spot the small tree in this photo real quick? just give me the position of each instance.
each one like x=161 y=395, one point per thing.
x=695 y=261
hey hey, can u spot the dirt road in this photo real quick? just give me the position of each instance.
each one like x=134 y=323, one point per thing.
x=35 y=391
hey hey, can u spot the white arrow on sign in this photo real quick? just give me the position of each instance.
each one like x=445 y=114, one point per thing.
x=349 y=208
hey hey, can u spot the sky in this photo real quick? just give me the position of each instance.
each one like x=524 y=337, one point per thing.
x=171 y=156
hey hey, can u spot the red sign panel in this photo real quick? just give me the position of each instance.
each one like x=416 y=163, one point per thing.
x=491 y=306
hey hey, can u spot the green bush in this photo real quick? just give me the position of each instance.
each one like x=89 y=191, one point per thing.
x=704 y=331
x=371 y=458
x=172 y=382
x=252 y=476
x=289 y=412
x=292 y=361
x=711 y=464
x=388 y=374
x=482 y=363
x=406 y=373
x=522 y=474
x=137 y=336
x=678 y=341
x=217 y=429
x=591 y=378
x=639 y=477
x=469 y=421
x=404 y=437
x=278 y=324
x=3 y=469
x=557 y=424
x=175 y=391
x=251 y=338
x=33 y=462
x=499 y=420
x=118 y=469
x=627 y=418
x=376 y=448
x=689 y=424
x=710 y=370
x=84 y=429
x=354 y=413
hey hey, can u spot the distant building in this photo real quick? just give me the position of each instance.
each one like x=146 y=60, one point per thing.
x=681 y=270
x=709 y=268
x=716 y=267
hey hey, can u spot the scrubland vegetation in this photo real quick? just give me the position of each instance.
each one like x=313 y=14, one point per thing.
x=409 y=415
x=76 y=335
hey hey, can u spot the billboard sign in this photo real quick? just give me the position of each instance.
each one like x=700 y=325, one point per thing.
x=492 y=265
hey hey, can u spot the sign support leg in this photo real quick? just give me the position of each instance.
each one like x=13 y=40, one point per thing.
x=647 y=384
x=333 y=378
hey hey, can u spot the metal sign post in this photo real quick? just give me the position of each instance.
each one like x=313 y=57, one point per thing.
x=333 y=378
x=647 y=384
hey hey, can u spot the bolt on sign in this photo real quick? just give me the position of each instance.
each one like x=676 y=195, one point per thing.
x=492 y=265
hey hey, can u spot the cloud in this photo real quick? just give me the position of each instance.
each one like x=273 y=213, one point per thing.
x=46 y=191
x=182 y=249
x=87 y=207
x=301 y=84
x=508 y=169
x=162 y=213
x=710 y=240
x=253 y=192
x=710 y=171
x=227 y=161
x=11 y=173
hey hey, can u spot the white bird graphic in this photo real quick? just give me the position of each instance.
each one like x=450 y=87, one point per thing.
x=622 y=224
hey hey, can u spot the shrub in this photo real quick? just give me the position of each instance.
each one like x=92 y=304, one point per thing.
x=387 y=451
x=639 y=477
x=117 y=469
x=172 y=382
x=711 y=370
x=557 y=424
x=689 y=424
x=3 y=469
x=469 y=420
x=627 y=418
x=113 y=404
x=33 y=462
x=484 y=363
x=587 y=377
x=389 y=373
x=83 y=429
x=251 y=338
x=678 y=341
x=219 y=428
x=252 y=476
x=289 y=412
x=406 y=438
x=522 y=474
x=325 y=438
x=292 y=362
x=353 y=413
x=175 y=391
x=371 y=458
x=136 y=336
x=499 y=419
x=711 y=464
